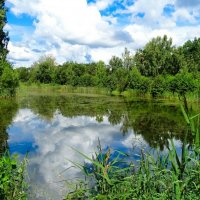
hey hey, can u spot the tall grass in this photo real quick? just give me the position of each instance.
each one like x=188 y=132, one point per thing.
x=165 y=176
x=35 y=89
x=12 y=182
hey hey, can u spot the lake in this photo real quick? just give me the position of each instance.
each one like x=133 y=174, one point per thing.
x=49 y=126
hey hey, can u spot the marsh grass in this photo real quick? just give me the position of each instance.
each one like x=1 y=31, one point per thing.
x=49 y=89
x=12 y=180
x=164 y=176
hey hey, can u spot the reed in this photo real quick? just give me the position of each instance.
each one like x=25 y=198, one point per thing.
x=165 y=176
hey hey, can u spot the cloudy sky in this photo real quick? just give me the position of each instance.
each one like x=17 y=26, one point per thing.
x=92 y=30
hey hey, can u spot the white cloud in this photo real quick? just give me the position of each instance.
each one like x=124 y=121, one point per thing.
x=73 y=29
x=154 y=23
x=103 y=4
x=142 y=34
x=20 y=53
x=73 y=26
x=152 y=10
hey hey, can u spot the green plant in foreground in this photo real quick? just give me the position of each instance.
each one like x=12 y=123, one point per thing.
x=12 y=184
x=165 y=176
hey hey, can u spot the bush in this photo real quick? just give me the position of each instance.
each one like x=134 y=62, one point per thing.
x=182 y=84
x=12 y=184
x=144 y=85
x=158 y=86
x=8 y=81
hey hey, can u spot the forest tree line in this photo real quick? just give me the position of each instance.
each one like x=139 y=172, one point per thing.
x=157 y=68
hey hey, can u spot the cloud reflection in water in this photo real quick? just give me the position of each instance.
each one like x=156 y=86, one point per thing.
x=50 y=142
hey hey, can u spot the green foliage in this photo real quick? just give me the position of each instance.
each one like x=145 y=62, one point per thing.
x=8 y=78
x=8 y=110
x=191 y=51
x=12 y=184
x=158 y=86
x=23 y=74
x=3 y=35
x=144 y=85
x=135 y=78
x=44 y=69
x=127 y=59
x=8 y=81
x=101 y=74
x=115 y=63
x=150 y=70
x=156 y=57
x=162 y=177
x=138 y=82
x=121 y=79
x=61 y=76
x=86 y=80
x=182 y=83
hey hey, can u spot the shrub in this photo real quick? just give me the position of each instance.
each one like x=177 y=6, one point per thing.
x=12 y=184
x=158 y=86
x=8 y=81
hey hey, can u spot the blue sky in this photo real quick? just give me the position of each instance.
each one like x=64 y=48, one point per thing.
x=92 y=30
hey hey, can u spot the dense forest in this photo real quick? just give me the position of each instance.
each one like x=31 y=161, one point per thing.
x=157 y=68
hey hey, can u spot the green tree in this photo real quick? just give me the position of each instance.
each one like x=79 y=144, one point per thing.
x=191 y=51
x=182 y=84
x=115 y=63
x=8 y=78
x=87 y=80
x=3 y=35
x=156 y=57
x=23 y=74
x=61 y=75
x=121 y=79
x=8 y=81
x=101 y=74
x=127 y=59
x=158 y=86
x=135 y=78
x=175 y=62
x=45 y=69
x=144 y=85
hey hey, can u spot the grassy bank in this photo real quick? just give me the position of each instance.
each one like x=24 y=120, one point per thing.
x=53 y=89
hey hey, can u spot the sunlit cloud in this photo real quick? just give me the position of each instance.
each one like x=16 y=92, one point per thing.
x=72 y=30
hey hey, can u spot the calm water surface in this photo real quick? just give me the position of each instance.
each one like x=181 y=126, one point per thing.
x=48 y=126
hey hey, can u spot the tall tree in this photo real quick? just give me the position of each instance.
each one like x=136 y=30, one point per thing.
x=156 y=57
x=115 y=63
x=3 y=35
x=8 y=78
x=191 y=51
x=127 y=59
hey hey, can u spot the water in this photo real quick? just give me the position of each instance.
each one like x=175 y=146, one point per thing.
x=48 y=126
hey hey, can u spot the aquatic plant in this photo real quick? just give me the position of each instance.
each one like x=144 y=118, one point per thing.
x=165 y=176
x=12 y=180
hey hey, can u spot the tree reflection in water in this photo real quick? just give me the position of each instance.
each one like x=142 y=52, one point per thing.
x=8 y=110
x=156 y=122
